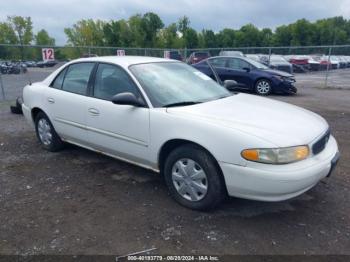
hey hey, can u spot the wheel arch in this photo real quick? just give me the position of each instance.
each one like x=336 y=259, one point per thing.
x=35 y=111
x=172 y=144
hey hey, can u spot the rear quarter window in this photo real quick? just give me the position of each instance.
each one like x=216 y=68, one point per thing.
x=57 y=83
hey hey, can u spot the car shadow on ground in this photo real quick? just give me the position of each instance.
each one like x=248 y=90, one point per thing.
x=116 y=171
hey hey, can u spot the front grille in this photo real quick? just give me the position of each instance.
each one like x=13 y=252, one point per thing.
x=321 y=143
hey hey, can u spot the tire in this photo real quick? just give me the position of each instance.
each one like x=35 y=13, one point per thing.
x=263 y=87
x=198 y=191
x=19 y=102
x=46 y=133
x=16 y=110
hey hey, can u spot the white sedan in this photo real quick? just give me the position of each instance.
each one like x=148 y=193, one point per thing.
x=168 y=117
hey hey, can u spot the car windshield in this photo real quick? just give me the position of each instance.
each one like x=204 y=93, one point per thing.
x=171 y=83
x=277 y=59
x=256 y=64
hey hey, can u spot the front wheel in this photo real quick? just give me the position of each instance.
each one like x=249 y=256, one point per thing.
x=46 y=133
x=263 y=87
x=193 y=178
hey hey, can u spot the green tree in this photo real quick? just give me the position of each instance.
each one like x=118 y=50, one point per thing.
x=226 y=38
x=209 y=39
x=302 y=33
x=137 y=33
x=191 y=38
x=248 y=35
x=168 y=37
x=266 y=37
x=86 y=33
x=23 y=28
x=151 y=24
x=112 y=33
x=43 y=38
x=282 y=36
x=183 y=24
x=7 y=34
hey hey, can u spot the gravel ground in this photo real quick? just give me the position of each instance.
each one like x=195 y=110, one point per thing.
x=81 y=202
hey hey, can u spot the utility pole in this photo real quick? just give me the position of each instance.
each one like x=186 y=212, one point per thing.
x=2 y=87
x=329 y=62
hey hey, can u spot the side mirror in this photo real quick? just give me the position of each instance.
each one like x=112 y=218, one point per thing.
x=127 y=99
x=230 y=84
x=246 y=69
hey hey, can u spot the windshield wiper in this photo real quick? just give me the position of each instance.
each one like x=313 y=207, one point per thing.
x=186 y=103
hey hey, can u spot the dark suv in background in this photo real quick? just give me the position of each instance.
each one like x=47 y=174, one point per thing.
x=249 y=75
x=175 y=55
x=196 y=57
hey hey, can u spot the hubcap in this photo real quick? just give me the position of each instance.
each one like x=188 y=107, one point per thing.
x=189 y=179
x=44 y=131
x=263 y=87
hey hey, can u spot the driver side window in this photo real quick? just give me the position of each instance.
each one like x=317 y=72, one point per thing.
x=111 y=80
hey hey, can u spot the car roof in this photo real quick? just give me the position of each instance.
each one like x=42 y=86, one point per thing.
x=124 y=61
x=228 y=56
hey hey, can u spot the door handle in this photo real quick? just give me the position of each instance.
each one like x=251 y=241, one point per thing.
x=94 y=111
x=51 y=100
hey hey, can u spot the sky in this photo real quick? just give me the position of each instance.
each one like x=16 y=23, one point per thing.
x=55 y=15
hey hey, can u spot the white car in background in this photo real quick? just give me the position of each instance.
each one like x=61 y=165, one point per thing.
x=168 y=117
x=335 y=62
x=231 y=53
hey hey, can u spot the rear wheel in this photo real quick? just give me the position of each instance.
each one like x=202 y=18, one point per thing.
x=263 y=87
x=193 y=178
x=46 y=133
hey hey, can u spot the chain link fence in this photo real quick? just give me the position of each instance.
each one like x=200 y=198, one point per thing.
x=313 y=66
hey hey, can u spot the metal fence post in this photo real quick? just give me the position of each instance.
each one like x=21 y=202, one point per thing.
x=2 y=87
x=329 y=61
x=269 y=55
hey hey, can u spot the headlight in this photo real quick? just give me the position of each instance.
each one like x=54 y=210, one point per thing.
x=282 y=78
x=276 y=155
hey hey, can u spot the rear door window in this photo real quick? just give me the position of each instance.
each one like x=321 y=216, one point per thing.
x=218 y=62
x=77 y=78
x=237 y=64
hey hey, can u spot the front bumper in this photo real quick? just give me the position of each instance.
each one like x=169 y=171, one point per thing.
x=279 y=182
x=286 y=86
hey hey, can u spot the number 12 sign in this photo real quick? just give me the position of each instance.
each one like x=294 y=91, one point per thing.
x=48 y=54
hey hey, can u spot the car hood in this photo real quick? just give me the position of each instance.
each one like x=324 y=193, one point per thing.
x=276 y=122
x=277 y=72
